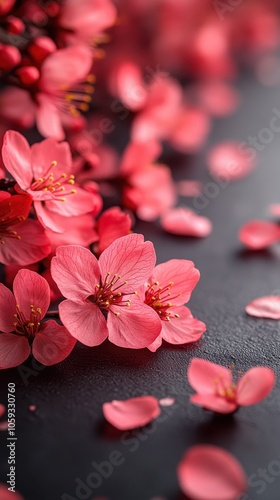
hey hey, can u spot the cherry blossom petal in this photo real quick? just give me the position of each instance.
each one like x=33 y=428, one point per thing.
x=202 y=375
x=184 y=329
x=131 y=413
x=17 y=106
x=7 y=309
x=229 y=161
x=5 y=494
x=185 y=222
x=14 y=350
x=127 y=84
x=49 y=220
x=90 y=19
x=258 y=234
x=32 y=246
x=153 y=347
x=52 y=344
x=214 y=403
x=2 y=410
x=190 y=131
x=44 y=153
x=255 y=385
x=4 y=426
x=31 y=289
x=167 y=401
x=77 y=203
x=136 y=327
x=218 y=98
x=182 y=274
x=112 y=224
x=210 y=473
x=265 y=307
x=17 y=158
x=139 y=154
x=85 y=321
x=131 y=258
x=275 y=209
x=75 y=271
x=48 y=118
x=189 y=188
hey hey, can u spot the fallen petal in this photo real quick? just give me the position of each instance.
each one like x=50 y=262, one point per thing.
x=258 y=234
x=265 y=307
x=228 y=161
x=167 y=401
x=131 y=413
x=210 y=473
x=184 y=222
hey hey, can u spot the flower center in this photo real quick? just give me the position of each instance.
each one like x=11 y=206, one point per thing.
x=107 y=293
x=27 y=326
x=224 y=390
x=159 y=298
x=73 y=101
x=56 y=184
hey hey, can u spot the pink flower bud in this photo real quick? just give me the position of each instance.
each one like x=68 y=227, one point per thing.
x=9 y=57
x=41 y=48
x=28 y=75
x=15 y=26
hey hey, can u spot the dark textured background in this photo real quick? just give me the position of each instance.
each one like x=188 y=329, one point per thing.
x=58 y=442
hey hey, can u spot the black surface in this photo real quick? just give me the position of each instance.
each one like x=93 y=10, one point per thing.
x=58 y=442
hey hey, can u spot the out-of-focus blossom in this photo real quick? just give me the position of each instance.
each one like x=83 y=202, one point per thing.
x=45 y=172
x=265 y=307
x=21 y=327
x=167 y=290
x=229 y=161
x=189 y=188
x=207 y=472
x=101 y=294
x=184 y=222
x=112 y=224
x=9 y=495
x=216 y=390
x=259 y=234
x=131 y=413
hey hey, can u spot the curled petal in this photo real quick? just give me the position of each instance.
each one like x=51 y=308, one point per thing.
x=255 y=385
x=202 y=375
x=228 y=161
x=133 y=327
x=131 y=413
x=52 y=344
x=14 y=350
x=265 y=307
x=210 y=473
x=84 y=321
x=185 y=222
x=258 y=234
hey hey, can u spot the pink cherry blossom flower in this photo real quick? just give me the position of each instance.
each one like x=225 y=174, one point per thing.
x=265 y=307
x=258 y=234
x=210 y=473
x=217 y=391
x=100 y=293
x=184 y=222
x=166 y=292
x=112 y=224
x=229 y=161
x=22 y=241
x=21 y=327
x=45 y=172
x=131 y=413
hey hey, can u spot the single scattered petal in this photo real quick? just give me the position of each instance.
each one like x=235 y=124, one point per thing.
x=189 y=188
x=131 y=413
x=4 y=427
x=2 y=410
x=185 y=222
x=265 y=307
x=229 y=161
x=211 y=473
x=255 y=385
x=32 y=407
x=258 y=234
x=167 y=401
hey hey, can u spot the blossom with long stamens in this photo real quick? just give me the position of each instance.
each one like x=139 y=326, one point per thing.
x=100 y=294
x=166 y=292
x=21 y=328
x=44 y=170
x=217 y=391
x=22 y=241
